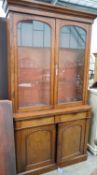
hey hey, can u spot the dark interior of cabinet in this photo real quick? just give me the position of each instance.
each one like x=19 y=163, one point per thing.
x=36 y=62
x=70 y=71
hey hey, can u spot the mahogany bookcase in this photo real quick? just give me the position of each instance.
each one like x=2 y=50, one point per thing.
x=48 y=58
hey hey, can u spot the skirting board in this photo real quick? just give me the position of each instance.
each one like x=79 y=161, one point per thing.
x=92 y=149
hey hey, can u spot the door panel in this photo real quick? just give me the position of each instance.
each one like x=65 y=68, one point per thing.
x=70 y=140
x=35 y=147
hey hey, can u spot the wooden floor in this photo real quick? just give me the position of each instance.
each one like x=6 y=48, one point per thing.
x=84 y=168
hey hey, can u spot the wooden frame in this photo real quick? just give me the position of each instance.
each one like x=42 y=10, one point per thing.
x=61 y=23
x=17 y=6
x=14 y=73
x=51 y=23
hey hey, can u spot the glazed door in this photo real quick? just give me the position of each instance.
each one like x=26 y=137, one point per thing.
x=71 y=59
x=34 y=57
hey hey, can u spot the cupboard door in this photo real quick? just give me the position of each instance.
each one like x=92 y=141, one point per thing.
x=34 y=58
x=70 y=140
x=35 y=148
x=70 y=62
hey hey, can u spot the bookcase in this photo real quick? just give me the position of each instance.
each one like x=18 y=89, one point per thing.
x=48 y=58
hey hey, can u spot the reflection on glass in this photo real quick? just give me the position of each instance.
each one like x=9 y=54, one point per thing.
x=71 y=60
x=33 y=63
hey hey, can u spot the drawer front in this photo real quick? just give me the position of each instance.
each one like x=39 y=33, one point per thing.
x=70 y=117
x=33 y=123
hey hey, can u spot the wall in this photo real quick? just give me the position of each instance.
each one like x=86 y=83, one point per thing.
x=3 y=60
x=94 y=37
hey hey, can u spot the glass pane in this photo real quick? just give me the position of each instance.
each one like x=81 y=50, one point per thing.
x=71 y=63
x=34 y=47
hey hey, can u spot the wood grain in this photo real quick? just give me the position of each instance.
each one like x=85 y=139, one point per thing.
x=70 y=140
x=7 y=147
x=35 y=148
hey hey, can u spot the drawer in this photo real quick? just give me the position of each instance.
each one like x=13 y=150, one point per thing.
x=70 y=117
x=33 y=123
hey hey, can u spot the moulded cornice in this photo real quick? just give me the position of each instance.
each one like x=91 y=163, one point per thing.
x=10 y=5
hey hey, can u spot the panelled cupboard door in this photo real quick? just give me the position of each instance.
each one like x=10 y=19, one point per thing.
x=70 y=140
x=72 y=41
x=35 y=148
x=34 y=62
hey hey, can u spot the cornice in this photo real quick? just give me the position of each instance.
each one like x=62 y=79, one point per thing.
x=7 y=4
